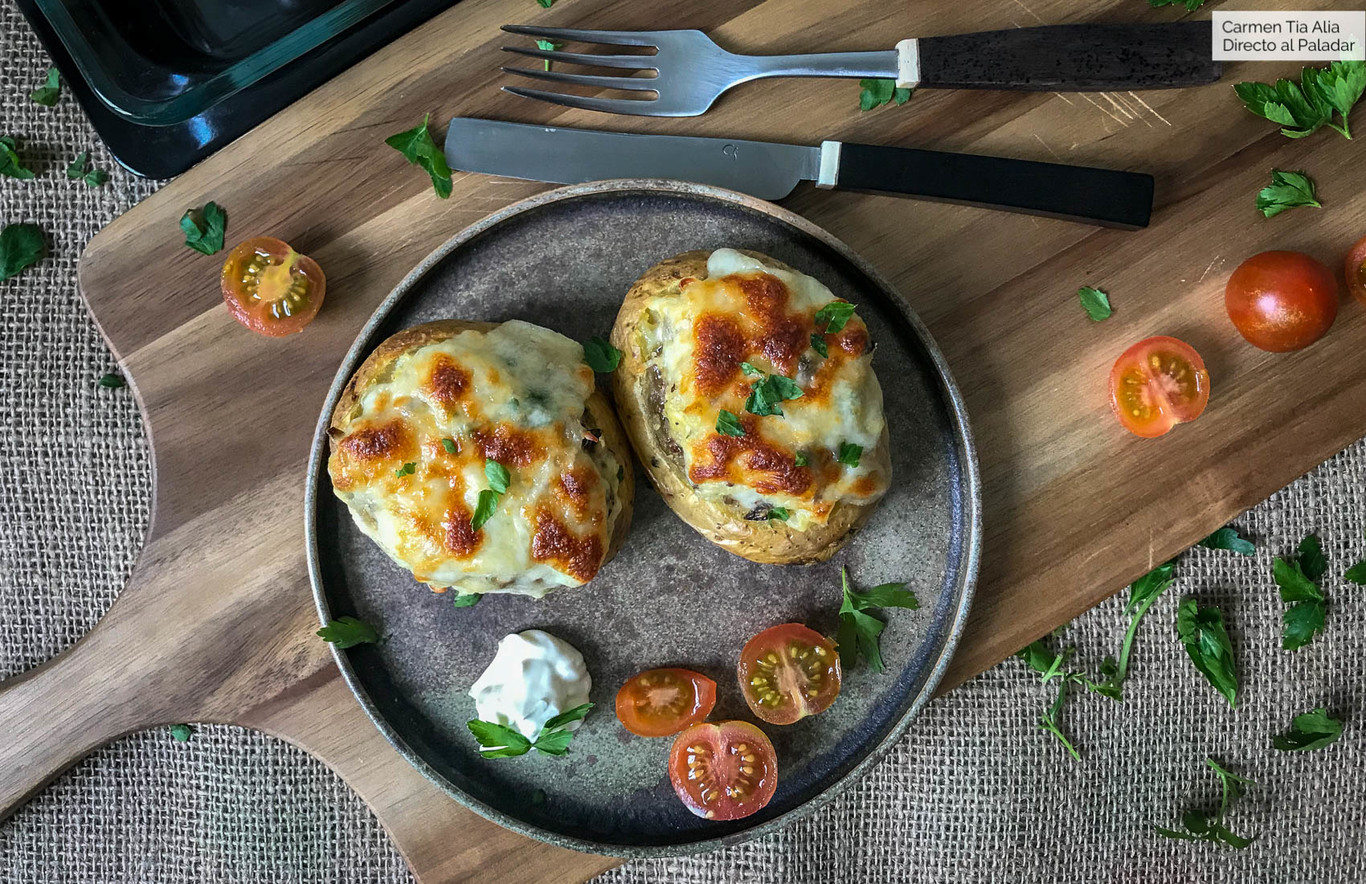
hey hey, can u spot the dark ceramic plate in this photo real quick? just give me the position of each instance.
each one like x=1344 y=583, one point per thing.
x=565 y=259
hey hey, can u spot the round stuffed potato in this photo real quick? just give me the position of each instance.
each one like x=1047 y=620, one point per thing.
x=481 y=457
x=748 y=392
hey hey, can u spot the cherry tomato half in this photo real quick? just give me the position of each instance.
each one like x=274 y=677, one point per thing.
x=662 y=702
x=723 y=771
x=1282 y=301
x=1356 y=270
x=788 y=672
x=270 y=288
x=1157 y=384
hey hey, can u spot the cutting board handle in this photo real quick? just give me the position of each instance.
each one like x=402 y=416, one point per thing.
x=53 y=716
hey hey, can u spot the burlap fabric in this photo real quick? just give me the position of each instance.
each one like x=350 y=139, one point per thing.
x=974 y=793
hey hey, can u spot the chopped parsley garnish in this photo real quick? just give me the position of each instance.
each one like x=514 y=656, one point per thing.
x=1210 y=827
x=1357 y=573
x=21 y=246
x=112 y=380
x=468 y=600
x=1305 y=107
x=1050 y=666
x=878 y=91
x=1228 y=538
x=346 y=632
x=548 y=45
x=800 y=459
x=749 y=369
x=601 y=356
x=850 y=454
x=1298 y=578
x=181 y=733
x=204 y=228
x=51 y=90
x=406 y=470
x=1201 y=630
x=501 y=741
x=779 y=514
x=1191 y=5
x=1095 y=302
x=487 y=504
x=834 y=316
x=546 y=4
x=818 y=344
x=859 y=630
x=418 y=149
x=449 y=445
x=727 y=424
x=1142 y=593
x=765 y=395
x=1310 y=731
x=81 y=170
x=1287 y=190
x=10 y=164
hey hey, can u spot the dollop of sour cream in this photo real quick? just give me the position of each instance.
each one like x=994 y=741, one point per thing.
x=534 y=676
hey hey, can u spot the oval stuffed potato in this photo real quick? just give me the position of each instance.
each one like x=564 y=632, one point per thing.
x=481 y=457
x=748 y=392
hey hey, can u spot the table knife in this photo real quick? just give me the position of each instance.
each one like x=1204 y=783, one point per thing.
x=771 y=171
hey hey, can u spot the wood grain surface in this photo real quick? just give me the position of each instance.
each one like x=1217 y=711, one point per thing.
x=217 y=622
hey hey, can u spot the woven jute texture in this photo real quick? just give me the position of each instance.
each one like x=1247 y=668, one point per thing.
x=975 y=793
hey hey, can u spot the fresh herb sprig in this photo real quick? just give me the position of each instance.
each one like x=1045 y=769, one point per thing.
x=1228 y=538
x=877 y=91
x=10 y=164
x=1287 y=190
x=600 y=355
x=766 y=394
x=1050 y=666
x=21 y=246
x=498 y=477
x=1201 y=630
x=1142 y=594
x=204 y=228
x=1201 y=826
x=1303 y=108
x=347 y=632
x=1310 y=731
x=1095 y=302
x=420 y=150
x=501 y=741
x=1298 y=578
x=859 y=630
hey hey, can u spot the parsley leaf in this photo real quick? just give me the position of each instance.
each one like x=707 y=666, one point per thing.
x=1206 y=827
x=449 y=445
x=21 y=246
x=1050 y=666
x=1298 y=579
x=859 y=630
x=204 y=228
x=1191 y=5
x=834 y=316
x=727 y=424
x=347 y=632
x=1312 y=730
x=1228 y=538
x=501 y=741
x=601 y=356
x=1357 y=573
x=181 y=733
x=418 y=149
x=548 y=45
x=484 y=508
x=468 y=600
x=546 y=4
x=1287 y=190
x=800 y=460
x=1142 y=593
x=81 y=170
x=498 y=476
x=850 y=454
x=1341 y=85
x=51 y=90
x=766 y=394
x=1303 y=108
x=111 y=380
x=569 y=716
x=879 y=91
x=1201 y=630
x=406 y=470
x=779 y=514
x=10 y=164
x=818 y=344
x=750 y=369
x=1095 y=302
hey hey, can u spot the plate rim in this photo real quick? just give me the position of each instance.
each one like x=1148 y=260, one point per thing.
x=965 y=586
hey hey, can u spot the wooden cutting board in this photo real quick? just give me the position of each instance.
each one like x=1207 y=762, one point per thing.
x=216 y=623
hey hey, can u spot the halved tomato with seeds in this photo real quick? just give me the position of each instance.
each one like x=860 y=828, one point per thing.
x=270 y=288
x=723 y=771
x=662 y=702
x=1158 y=383
x=788 y=672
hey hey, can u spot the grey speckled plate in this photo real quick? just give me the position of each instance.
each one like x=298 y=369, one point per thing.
x=565 y=259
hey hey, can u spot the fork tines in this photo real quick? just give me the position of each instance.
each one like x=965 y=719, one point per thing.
x=645 y=87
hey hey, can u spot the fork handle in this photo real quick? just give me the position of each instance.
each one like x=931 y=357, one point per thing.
x=1072 y=58
x=1075 y=193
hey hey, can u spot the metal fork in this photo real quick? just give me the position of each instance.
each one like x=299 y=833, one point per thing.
x=691 y=71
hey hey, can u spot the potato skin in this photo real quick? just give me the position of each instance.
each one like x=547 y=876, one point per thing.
x=770 y=542
x=597 y=409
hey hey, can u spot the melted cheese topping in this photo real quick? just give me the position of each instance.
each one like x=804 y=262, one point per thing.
x=515 y=395
x=747 y=312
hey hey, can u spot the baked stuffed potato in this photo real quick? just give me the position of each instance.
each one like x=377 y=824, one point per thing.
x=748 y=393
x=481 y=457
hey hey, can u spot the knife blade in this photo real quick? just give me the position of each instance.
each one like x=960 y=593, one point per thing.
x=771 y=171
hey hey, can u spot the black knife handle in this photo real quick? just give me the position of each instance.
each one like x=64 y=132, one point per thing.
x=1072 y=58
x=1075 y=193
